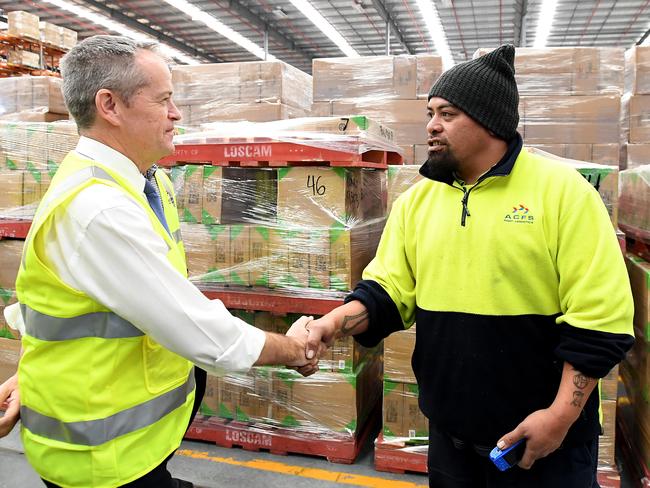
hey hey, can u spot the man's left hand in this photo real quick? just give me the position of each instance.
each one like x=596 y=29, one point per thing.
x=544 y=431
x=9 y=393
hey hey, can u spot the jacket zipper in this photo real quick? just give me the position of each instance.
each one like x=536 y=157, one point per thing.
x=465 y=209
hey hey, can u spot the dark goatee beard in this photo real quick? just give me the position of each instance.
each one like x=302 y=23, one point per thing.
x=442 y=165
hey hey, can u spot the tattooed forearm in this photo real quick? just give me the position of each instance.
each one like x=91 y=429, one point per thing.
x=580 y=381
x=351 y=322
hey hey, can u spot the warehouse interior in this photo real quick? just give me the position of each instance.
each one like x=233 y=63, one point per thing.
x=302 y=123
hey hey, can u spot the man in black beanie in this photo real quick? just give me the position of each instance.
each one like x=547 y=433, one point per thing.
x=520 y=292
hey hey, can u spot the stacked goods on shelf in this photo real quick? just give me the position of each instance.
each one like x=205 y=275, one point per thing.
x=254 y=91
x=390 y=89
x=636 y=107
x=333 y=404
x=23 y=24
x=635 y=370
x=57 y=36
x=10 y=253
x=634 y=203
x=30 y=153
x=570 y=100
x=302 y=227
x=32 y=99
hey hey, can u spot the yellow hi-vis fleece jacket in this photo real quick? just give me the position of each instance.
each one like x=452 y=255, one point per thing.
x=507 y=280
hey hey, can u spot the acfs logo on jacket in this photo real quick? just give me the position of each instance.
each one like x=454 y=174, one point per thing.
x=520 y=214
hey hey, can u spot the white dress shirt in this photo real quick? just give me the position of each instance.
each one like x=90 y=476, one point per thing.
x=103 y=244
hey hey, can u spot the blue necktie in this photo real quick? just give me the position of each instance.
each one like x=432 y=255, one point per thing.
x=153 y=198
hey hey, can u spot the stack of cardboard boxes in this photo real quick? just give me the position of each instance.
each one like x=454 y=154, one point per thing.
x=335 y=403
x=254 y=91
x=30 y=153
x=570 y=100
x=32 y=99
x=27 y=26
x=635 y=126
x=10 y=253
x=390 y=89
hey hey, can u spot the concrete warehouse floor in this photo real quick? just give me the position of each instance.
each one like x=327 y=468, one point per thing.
x=209 y=466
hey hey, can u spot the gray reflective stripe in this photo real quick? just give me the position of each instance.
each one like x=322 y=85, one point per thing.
x=106 y=325
x=100 y=431
x=177 y=235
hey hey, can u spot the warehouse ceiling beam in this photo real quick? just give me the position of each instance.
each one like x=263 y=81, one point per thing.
x=274 y=35
x=392 y=26
x=145 y=29
x=521 y=23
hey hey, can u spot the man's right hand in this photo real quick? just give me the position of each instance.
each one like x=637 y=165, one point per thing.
x=9 y=393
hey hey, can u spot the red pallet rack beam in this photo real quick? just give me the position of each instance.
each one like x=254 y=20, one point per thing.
x=16 y=229
x=275 y=154
x=279 y=302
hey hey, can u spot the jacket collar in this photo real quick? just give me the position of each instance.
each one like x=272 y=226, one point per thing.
x=502 y=168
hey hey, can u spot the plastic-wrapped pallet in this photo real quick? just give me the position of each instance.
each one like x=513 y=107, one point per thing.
x=254 y=91
x=30 y=153
x=23 y=24
x=634 y=202
x=31 y=98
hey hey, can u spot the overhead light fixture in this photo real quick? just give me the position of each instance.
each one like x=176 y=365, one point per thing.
x=544 y=22
x=358 y=6
x=114 y=26
x=436 y=31
x=279 y=13
x=325 y=27
x=219 y=27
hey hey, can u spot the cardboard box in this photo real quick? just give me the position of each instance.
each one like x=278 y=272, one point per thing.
x=607 y=441
x=398 y=350
x=9 y=356
x=212 y=195
x=415 y=423
x=429 y=69
x=289 y=258
x=637 y=70
x=638 y=155
x=352 y=125
x=639 y=119
x=239 y=254
x=607 y=154
x=639 y=271
x=319 y=259
x=567 y=70
x=57 y=36
x=571 y=119
x=23 y=24
x=272 y=82
x=407 y=118
x=393 y=409
x=249 y=195
x=408 y=153
x=192 y=194
x=320 y=196
x=20 y=57
x=260 y=255
x=11 y=195
x=383 y=77
x=200 y=249
x=263 y=111
x=400 y=179
x=221 y=237
x=634 y=202
x=350 y=252
x=31 y=187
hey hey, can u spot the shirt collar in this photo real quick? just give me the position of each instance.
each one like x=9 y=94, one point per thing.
x=109 y=157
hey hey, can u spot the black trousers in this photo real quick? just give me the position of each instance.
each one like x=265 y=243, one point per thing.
x=159 y=477
x=454 y=466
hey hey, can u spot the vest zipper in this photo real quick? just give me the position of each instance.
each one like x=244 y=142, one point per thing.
x=465 y=209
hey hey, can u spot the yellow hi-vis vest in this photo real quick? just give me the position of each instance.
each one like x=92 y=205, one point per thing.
x=102 y=404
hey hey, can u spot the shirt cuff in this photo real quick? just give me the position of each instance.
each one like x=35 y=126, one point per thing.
x=243 y=352
x=14 y=318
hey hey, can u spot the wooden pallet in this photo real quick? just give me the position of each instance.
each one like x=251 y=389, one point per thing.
x=281 y=441
x=392 y=459
x=276 y=154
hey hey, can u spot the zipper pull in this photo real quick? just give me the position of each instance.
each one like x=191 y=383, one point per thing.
x=465 y=209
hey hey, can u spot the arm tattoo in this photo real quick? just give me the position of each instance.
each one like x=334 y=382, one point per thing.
x=351 y=322
x=577 y=399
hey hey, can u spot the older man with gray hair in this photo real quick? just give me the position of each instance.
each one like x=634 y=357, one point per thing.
x=111 y=327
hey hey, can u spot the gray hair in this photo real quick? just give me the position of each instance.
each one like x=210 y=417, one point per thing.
x=101 y=62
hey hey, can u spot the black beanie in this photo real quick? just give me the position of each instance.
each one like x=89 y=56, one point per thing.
x=485 y=89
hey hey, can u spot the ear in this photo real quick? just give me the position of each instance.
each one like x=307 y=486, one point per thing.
x=108 y=106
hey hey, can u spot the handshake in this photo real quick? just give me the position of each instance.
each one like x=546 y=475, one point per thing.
x=310 y=340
